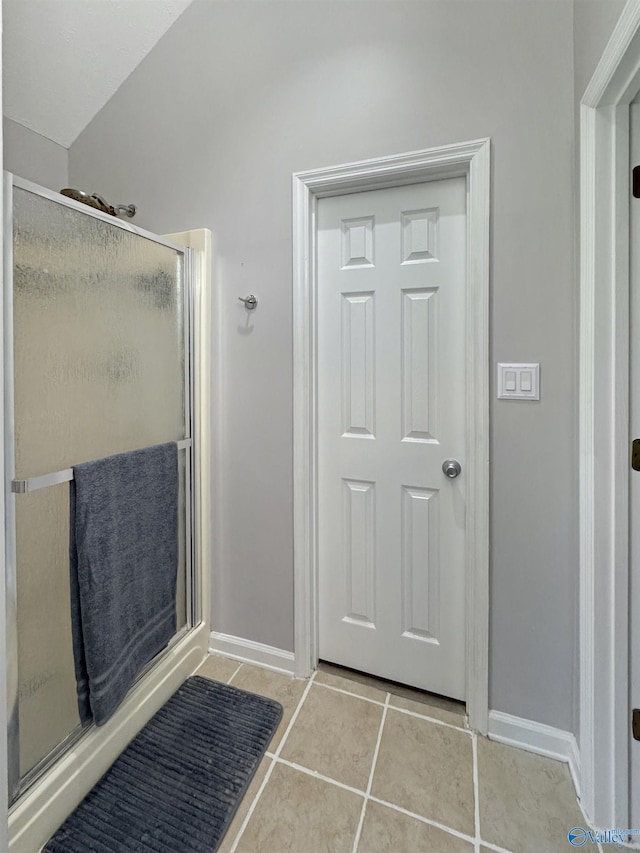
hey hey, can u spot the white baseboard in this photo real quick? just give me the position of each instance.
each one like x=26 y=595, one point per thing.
x=539 y=738
x=248 y=651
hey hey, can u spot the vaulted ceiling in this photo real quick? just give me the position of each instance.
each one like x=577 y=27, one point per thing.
x=64 y=59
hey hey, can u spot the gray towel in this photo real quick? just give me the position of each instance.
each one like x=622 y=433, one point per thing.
x=123 y=568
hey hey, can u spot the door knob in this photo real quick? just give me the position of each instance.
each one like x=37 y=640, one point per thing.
x=451 y=468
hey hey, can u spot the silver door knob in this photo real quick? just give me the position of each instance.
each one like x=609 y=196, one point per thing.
x=451 y=468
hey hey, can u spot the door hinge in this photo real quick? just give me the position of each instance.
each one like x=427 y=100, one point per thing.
x=635 y=181
x=635 y=454
x=635 y=723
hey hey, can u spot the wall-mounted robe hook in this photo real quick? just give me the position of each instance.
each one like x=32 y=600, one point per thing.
x=250 y=301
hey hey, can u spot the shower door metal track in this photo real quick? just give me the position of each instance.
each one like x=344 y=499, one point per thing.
x=19 y=784
x=32 y=484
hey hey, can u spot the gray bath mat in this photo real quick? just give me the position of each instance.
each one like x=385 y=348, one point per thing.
x=177 y=785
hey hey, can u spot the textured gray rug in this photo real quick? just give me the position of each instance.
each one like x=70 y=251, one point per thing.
x=178 y=784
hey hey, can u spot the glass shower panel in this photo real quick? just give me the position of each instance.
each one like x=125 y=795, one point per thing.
x=98 y=338
x=46 y=684
x=99 y=368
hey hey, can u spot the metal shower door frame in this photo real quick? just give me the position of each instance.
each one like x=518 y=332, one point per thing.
x=16 y=784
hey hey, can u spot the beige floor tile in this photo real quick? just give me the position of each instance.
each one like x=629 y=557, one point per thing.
x=430 y=699
x=388 y=831
x=354 y=687
x=400 y=690
x=454 y=718
x=245 y=805
x=335 y=734
x=484 y=849
x=282 y=688
x=300 y=814
x=426 y=769
x=527 y=802
x=217 y=667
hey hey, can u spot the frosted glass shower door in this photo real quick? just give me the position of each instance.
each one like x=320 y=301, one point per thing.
x=97 y=328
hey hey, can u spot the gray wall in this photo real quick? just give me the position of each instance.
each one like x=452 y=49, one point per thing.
x=593 y=22
x=34 y=157
x=207 y=131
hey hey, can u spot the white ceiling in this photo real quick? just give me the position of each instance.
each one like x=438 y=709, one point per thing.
x=64 y=59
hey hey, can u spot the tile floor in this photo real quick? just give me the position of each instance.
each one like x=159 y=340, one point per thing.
x=356 y=768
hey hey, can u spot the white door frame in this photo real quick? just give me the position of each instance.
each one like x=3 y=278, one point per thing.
x=471 y=159
x=604 y=425
x=4 y=792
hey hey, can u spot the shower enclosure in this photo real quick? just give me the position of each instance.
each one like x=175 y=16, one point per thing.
x=98 y=361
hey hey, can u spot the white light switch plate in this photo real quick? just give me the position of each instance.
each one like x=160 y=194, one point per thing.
x=518 y=381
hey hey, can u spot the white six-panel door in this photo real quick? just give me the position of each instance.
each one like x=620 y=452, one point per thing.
x=391 y=409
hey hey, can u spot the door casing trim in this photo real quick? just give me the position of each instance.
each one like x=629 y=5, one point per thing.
x=604 y=425
x=472 y=160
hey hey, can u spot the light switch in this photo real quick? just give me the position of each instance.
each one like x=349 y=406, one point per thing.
x=519 y=381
